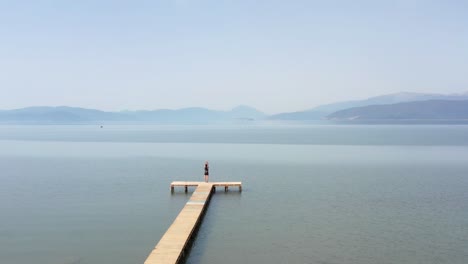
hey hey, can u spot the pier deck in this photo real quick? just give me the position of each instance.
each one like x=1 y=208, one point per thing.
x=174 y=244
x=187 y=184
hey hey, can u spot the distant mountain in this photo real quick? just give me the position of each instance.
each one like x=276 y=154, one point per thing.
x=420 y=110
x=56 y=114
x=184 y=115
x=71 y=115
x=301 y=115
x=246 y=112
x=322 y=111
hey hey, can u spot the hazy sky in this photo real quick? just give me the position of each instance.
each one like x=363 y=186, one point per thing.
x=274 y=55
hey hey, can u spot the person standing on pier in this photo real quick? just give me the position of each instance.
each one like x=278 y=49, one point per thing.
x=207 y=173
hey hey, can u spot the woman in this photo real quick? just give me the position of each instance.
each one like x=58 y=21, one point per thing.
x=206 y=171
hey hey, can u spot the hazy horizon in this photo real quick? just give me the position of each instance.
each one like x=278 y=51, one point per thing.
x=203 y=107
x=275 y=56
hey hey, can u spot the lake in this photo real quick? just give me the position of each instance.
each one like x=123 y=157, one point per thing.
x=324 y=194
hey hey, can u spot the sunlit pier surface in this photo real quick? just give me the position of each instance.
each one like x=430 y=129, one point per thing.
x=175 y=243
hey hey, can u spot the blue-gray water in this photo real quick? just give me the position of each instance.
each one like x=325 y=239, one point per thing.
x=312 y=194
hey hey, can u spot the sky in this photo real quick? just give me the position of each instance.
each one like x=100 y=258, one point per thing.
x=277 y=56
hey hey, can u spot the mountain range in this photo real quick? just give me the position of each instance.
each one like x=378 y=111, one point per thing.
x=417 y=110
x=71 y=115
x=398 y=106
x=323 y=111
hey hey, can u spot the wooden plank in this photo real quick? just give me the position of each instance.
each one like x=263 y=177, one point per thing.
x=172 y=245
x=185 y=183
x=227 y=183
x=191 y=183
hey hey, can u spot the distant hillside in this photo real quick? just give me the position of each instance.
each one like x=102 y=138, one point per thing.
x=246 y=112
x=301 y=115
x=72 y=115
x=322 y=111
x=56 y=114
x=430 y=110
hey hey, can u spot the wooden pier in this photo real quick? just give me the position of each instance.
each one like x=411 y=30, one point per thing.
x=174 y=244
x=187 y=184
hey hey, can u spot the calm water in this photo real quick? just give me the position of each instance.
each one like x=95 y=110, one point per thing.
x=312 y=194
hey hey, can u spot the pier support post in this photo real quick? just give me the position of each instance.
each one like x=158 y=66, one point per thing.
x=186 y=188
x=240 y=188
x=226 y=188
x=172 y=188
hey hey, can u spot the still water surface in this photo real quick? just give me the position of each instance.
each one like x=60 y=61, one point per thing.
x=312 y=194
